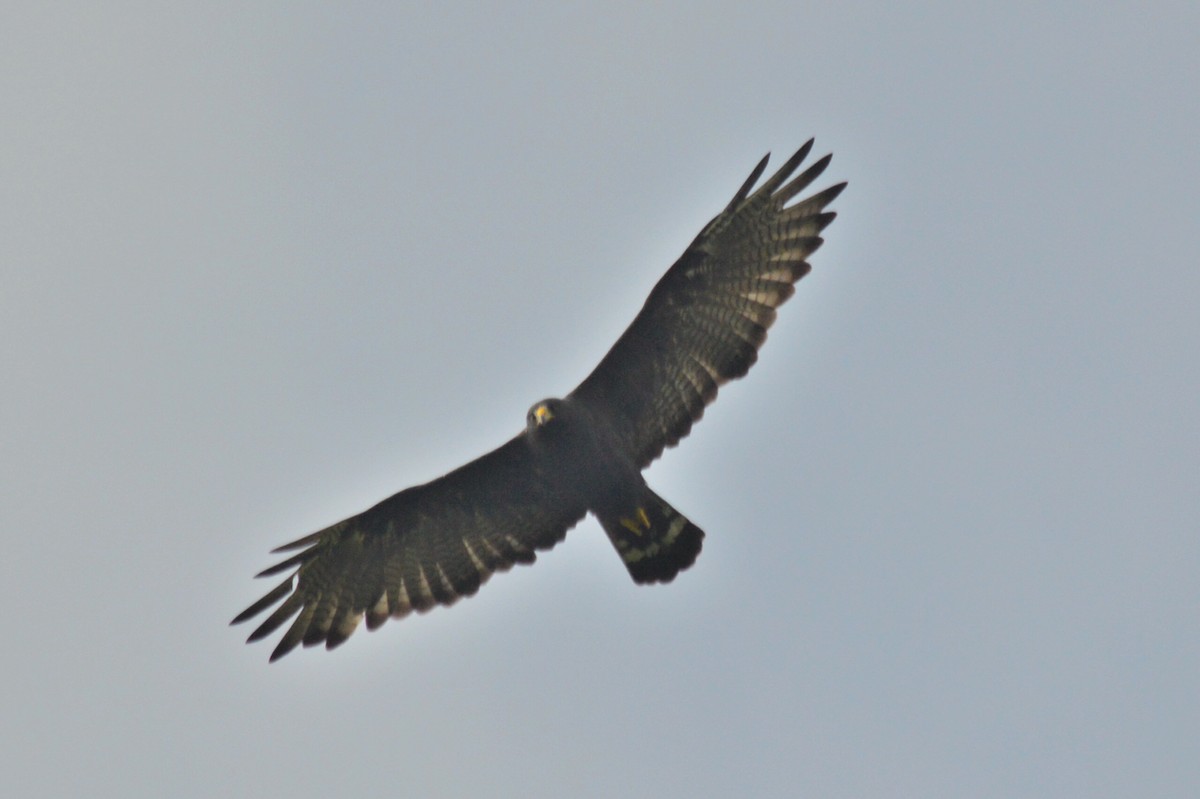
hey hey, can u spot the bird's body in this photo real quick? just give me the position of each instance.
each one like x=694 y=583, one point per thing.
x=701 y=326
x=653 y=539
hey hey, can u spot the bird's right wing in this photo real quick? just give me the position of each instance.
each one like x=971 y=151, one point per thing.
x=428 y=545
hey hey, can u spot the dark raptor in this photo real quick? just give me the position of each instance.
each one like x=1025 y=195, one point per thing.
x=701 y=327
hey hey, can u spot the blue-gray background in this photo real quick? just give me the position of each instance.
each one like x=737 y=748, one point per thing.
x=265 y=265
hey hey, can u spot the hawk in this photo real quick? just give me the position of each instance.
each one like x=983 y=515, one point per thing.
x=701 y=326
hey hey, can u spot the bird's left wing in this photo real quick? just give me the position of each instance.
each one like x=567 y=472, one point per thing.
x=705 y=320
x=428 y=545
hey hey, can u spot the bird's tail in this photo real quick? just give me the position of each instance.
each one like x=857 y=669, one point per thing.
x=655 y=541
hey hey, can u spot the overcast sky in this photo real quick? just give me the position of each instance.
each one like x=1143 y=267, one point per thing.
x=265 y=265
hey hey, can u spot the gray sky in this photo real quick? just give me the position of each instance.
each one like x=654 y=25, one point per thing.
x=264 y=267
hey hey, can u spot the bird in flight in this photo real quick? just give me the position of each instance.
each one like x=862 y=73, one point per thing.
x=701 y=326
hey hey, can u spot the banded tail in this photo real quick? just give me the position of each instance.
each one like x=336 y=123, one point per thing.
x=654 y=540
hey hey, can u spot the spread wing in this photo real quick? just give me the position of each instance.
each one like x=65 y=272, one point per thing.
x=426 y=546
x=705 y=320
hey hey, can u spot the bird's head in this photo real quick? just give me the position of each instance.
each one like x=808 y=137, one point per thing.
x=542 y=413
